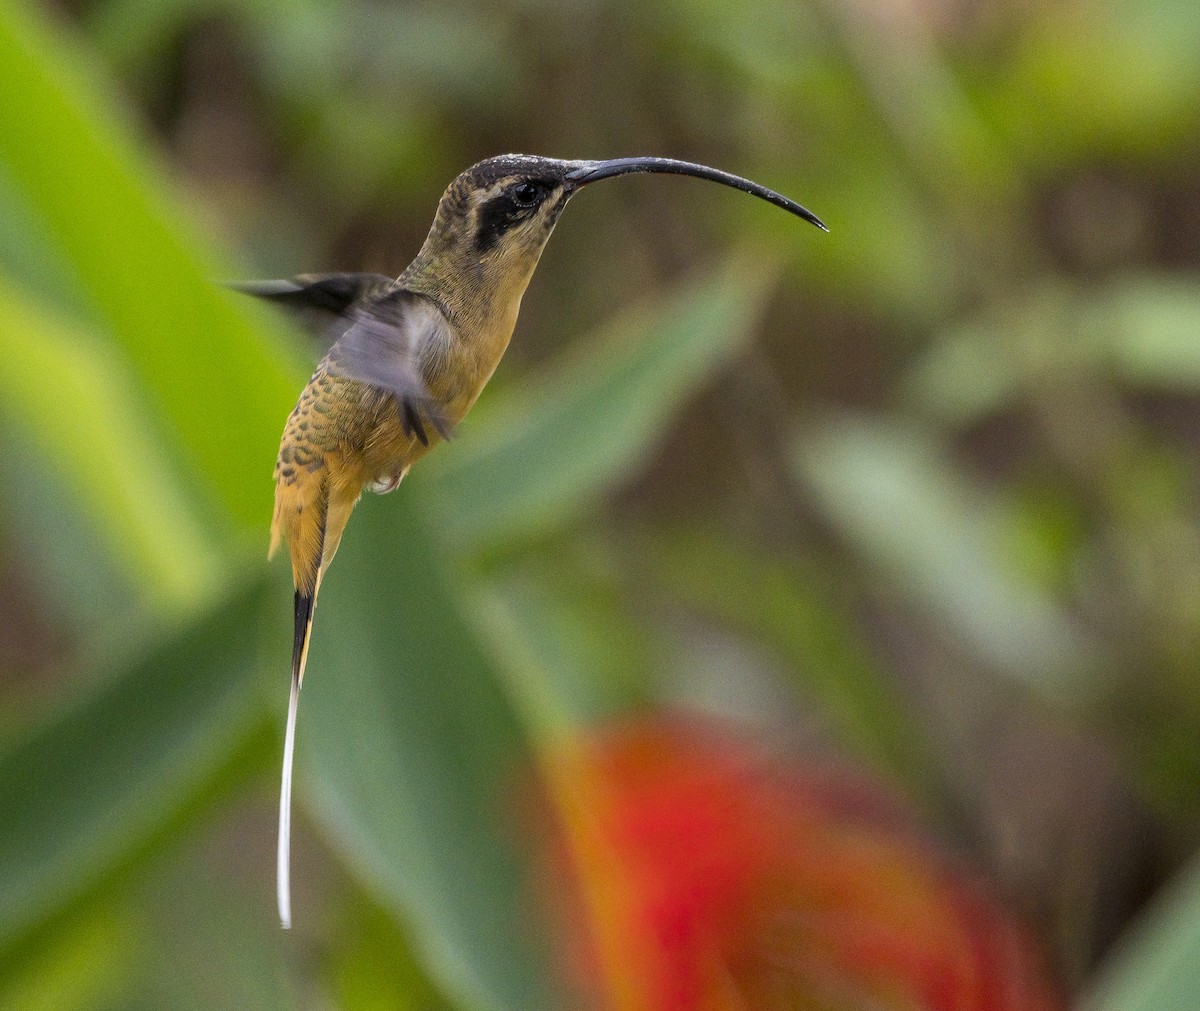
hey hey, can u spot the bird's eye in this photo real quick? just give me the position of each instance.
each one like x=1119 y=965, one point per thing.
x=525 y=194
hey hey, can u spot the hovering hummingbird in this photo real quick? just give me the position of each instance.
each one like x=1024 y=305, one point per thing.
x=410 y=357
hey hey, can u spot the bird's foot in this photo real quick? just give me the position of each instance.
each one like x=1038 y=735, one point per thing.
x=388 y=482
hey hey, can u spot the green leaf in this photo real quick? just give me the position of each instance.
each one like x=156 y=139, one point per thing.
x=1154 y=968
x=1151 y=324
x=374 y=967
x=87 y=786
x=29 y=259
x=1138 y=330
x=83 y=966
x=573 y=434
x=574 y=653
x=71 y=399
x=891 y=491
x=74 y=575
x=220 y=383
x=1135 y=66
x=414 y=760
x=209 y=935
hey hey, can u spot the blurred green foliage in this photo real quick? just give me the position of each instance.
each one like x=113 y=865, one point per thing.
x=921 y=493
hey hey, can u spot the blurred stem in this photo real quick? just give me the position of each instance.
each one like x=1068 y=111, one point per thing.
x=944 y=144
x=529 y=683
x=584 y=803
x=764 y=421
x=1098 y=446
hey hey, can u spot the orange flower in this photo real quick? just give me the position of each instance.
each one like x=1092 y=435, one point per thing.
x=704 y=878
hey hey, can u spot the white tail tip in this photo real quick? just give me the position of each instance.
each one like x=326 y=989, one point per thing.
x=283 y=888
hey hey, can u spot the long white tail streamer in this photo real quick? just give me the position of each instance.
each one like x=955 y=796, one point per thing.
x=283 y=888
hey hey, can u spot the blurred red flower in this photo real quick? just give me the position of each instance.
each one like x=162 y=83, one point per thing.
x=704 y=877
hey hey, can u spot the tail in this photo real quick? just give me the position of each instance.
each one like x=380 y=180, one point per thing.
x=313 y=526
x=304 y=529
x=305 y=603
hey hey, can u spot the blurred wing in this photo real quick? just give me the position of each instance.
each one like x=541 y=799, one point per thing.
x=321 y=300
x=384 y=346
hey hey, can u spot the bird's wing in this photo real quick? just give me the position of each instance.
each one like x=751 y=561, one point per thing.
x=386 y=342
x=333 y=293
x=322 y=300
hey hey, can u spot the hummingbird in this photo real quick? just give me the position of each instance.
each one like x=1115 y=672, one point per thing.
x=408 y=358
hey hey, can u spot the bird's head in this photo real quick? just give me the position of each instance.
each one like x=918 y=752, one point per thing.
x=499 y=213
x=495 y=218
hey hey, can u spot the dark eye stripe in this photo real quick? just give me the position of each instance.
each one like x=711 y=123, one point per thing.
x=513 y=204
x=496 y=217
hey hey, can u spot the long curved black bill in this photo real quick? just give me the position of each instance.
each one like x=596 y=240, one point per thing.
x=593 y=171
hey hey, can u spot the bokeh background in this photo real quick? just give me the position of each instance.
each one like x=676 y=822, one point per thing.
x=915 y=501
